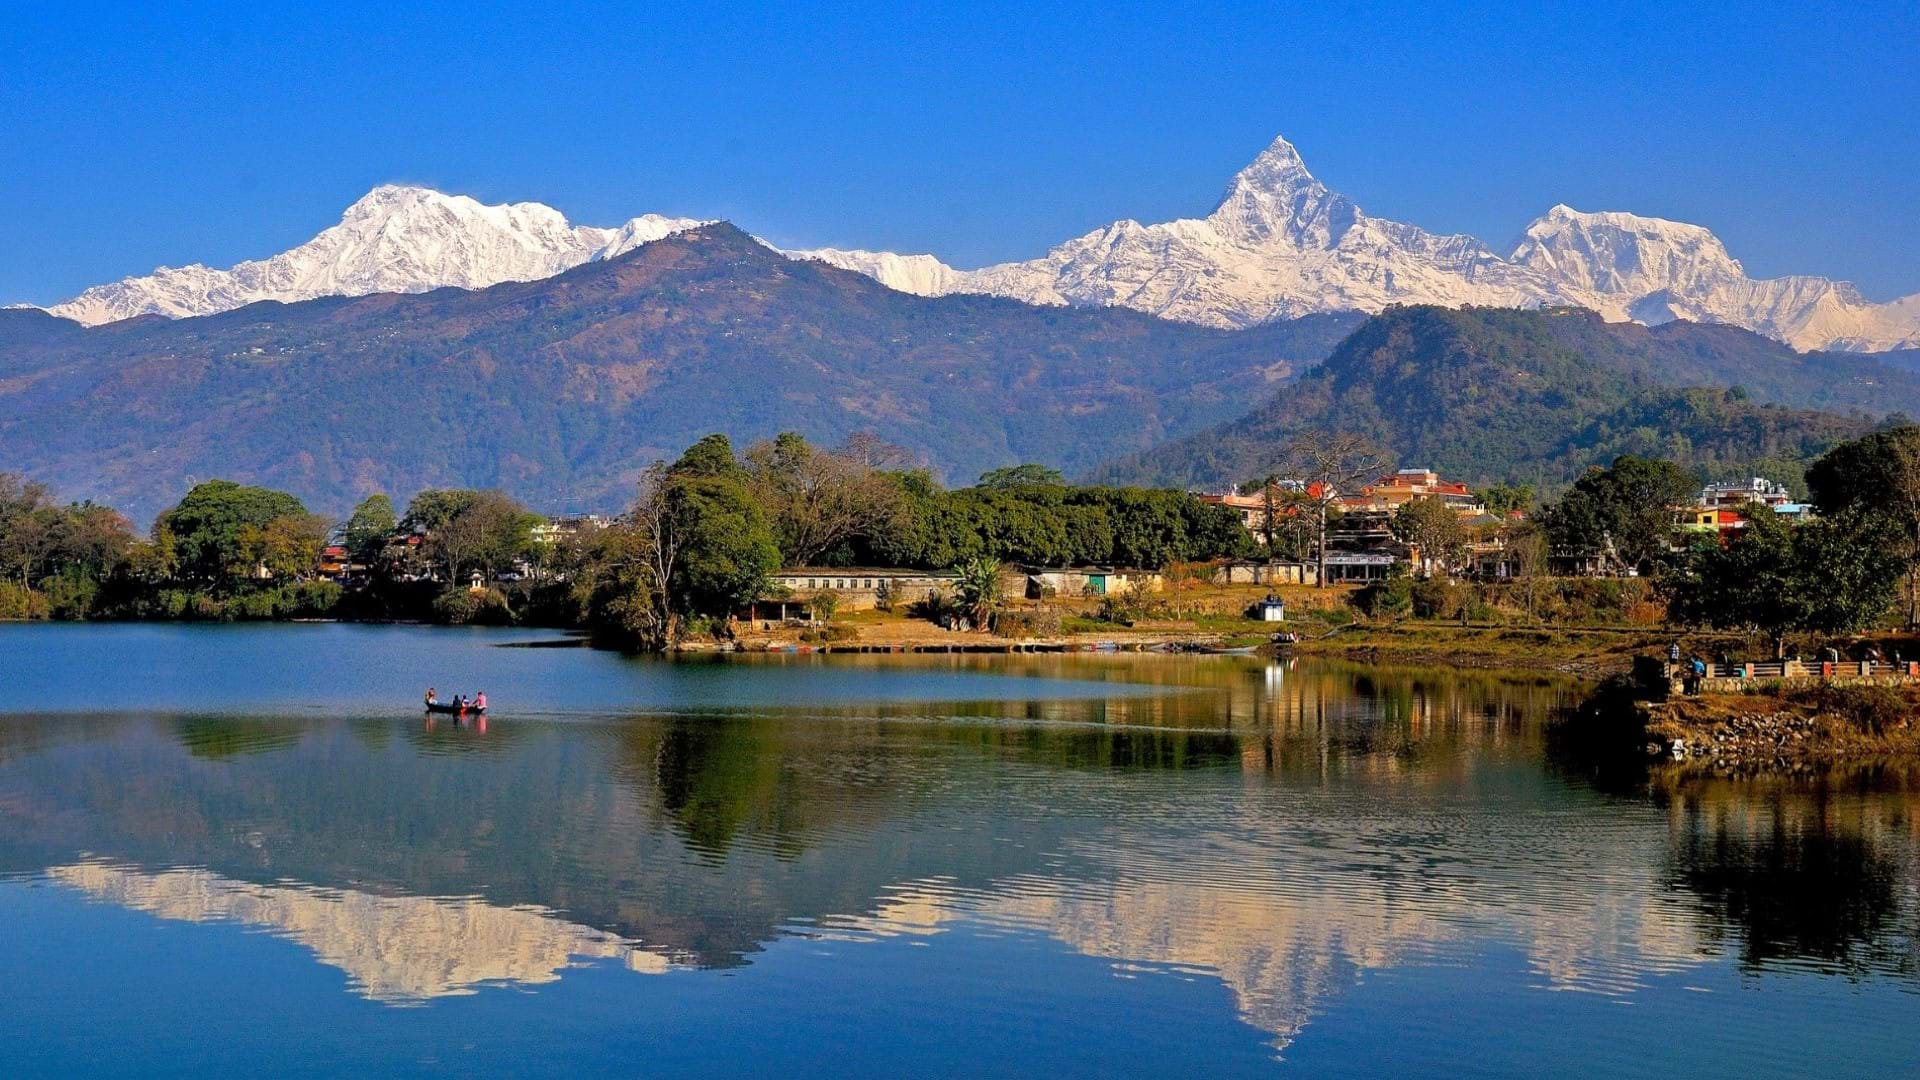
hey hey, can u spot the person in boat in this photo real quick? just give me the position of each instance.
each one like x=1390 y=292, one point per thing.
x=480 y=701
x=433 y=697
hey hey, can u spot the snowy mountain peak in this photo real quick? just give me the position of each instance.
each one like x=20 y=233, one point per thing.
x=1278 y=244
x=395 y=238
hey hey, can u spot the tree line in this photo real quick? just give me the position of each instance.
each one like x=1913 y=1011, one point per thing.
x=700 y=541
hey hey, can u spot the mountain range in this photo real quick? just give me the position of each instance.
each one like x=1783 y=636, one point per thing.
x=563 y=388
x=1278 y=245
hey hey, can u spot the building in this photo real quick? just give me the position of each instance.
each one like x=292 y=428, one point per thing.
x=1252 y=506
x=1737 y=493
x=1088 y=581
x=1359 y=567
x=555 y=529
x=1723 y=508
x=861 y=588
x=1271 y=609
x=1266 y=572
x=1397 y=489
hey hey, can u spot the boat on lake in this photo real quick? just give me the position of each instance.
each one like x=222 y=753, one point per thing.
x=448 y=707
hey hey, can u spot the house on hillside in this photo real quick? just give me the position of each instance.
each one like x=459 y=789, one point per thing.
x=1397 y=489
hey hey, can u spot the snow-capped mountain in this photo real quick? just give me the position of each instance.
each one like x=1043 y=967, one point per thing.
x=1281 y=244
x=1278 y=244
x=1649 y=270
x=394 y=239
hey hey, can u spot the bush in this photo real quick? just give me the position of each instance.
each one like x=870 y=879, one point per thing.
x=460 y=605
x=1434 y=598
x=19 y=602
x=1389 y=599
x=1872 y=709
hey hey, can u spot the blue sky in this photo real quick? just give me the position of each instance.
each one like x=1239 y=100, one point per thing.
x=132 y=137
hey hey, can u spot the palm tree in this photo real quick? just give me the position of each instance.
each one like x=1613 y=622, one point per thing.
x=979 y=589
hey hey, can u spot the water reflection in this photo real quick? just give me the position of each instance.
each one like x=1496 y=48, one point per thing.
x=1284 y=829
x=1806 y=873
x=399 y=950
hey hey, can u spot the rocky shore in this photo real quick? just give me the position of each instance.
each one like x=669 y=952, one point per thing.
x=1754 y=732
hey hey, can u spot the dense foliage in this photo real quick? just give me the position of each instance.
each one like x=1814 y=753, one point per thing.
x=1831 y=575
x=1625 y=509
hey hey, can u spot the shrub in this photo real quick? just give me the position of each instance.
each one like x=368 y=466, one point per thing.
x=1434 y=598
x=1872 y=709
x=461 y=605
x=1387 y=599
x=19 y=602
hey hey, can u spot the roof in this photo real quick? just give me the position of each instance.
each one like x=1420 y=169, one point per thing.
x=858 y=571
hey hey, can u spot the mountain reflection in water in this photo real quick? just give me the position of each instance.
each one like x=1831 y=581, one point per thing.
x=1283 y=829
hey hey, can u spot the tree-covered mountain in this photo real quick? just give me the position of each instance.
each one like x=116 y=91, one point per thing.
x=1490 y=394
x=562 y=390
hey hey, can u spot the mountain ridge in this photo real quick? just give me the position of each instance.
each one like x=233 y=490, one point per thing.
x=562 y=389
x=1277 y=244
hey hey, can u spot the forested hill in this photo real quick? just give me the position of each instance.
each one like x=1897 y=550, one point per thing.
x=1487 y=395
x=561 y=390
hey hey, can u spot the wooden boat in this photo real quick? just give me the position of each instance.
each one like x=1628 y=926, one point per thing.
x=446 y=707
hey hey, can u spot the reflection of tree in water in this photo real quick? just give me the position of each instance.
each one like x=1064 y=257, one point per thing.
x=719 y=775
x=1798 y=878
x=220 y=737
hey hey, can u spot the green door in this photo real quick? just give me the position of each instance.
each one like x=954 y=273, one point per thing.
x=1098 y=583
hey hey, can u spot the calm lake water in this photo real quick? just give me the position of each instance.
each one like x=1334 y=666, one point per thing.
x=241 y=849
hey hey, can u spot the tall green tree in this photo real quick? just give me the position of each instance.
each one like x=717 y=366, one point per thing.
x=213 y=530
x=369 y=528
x=1878 y=475
x=1833 y=575
x=1433 y=527
x=1628 y=506
x=819 y=500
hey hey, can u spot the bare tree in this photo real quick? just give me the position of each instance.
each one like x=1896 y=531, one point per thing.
x=820 y=498
x=650 y=612
x=1329 y=464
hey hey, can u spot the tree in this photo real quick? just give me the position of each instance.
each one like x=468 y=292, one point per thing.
x=1328 y=464
x=485 y=535
x=1834 y=575
x=1504 y=499
x=819 y=499
x=369 y=529
x=1530 y=554
x=27 y=527
x=1629 y=505
x=1433 y=527
x=696 y=544
x=1019 y=476
x=1877 y=475
x=213 y=530
x=979 y=590
x=288 y=546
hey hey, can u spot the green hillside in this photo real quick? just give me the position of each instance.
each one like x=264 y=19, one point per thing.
x=1489 y=395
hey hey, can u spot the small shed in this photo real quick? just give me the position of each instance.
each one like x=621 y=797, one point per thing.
x=1271 y=609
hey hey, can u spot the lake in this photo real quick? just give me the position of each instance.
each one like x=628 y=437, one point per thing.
x=242 y=849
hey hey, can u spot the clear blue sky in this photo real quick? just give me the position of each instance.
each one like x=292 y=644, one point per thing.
x=132 y=137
